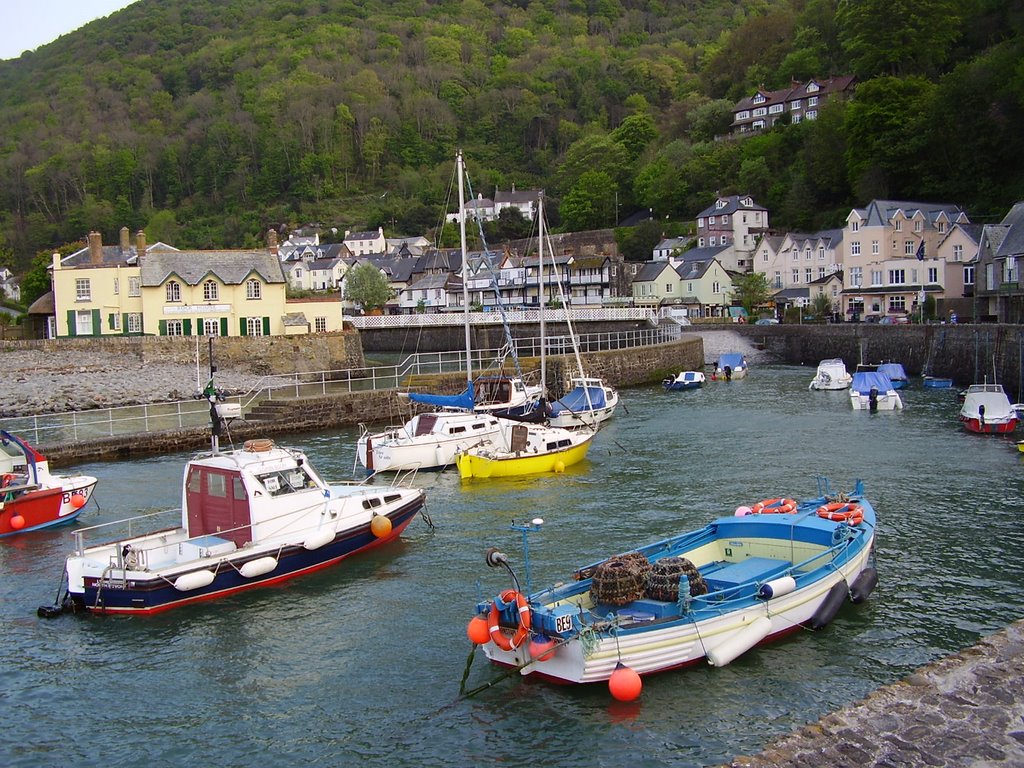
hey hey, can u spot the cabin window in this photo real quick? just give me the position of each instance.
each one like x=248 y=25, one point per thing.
x=391 y=498
x=456 y=430
x=216 y=486
x=370 y=503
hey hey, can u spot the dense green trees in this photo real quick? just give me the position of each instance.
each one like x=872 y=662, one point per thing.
x=206 y=121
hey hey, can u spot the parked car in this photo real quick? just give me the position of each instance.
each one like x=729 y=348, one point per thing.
x=894 y=320
x=767 y=321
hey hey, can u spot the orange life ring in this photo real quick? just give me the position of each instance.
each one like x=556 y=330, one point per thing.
x=780 y=506
x=842 y=512
x=498 y=637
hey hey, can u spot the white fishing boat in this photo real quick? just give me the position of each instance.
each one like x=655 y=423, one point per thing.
x=831 y=374
x=684 y=380
x=747 y=578
x=872 y=391
x=731 y=365
x=249 y=517
x=589 y=404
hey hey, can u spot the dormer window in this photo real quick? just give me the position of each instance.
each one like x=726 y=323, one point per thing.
x=812 y=87
x=173 y=291
x=759 y=98
x=720 y=204
x=211 y=291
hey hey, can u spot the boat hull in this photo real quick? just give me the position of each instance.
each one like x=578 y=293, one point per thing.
x=475 y=465
x=150 y=592
x=989 y=427
x=403 y=450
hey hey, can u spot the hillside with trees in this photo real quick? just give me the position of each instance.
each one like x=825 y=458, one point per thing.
x=207 y=121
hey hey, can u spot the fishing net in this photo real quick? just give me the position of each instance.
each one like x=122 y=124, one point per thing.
x=663 y=582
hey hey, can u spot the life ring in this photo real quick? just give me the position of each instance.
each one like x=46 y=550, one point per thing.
x=498 y=637
x=259 y=445
x=780 y=506
x=6 y=480
x=842 y=512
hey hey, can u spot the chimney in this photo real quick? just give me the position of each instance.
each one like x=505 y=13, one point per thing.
x=140 y=244
x=95 y=248
x=272 y=240
x=125 y=239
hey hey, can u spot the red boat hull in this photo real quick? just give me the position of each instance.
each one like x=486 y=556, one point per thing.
x=988 y=428
x=37 y=509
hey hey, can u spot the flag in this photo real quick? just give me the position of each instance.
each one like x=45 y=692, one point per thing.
x=920 y=251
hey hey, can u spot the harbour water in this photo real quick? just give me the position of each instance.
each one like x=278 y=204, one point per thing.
x=362 y=663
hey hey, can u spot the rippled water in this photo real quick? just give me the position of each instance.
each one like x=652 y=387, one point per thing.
x=363 y=662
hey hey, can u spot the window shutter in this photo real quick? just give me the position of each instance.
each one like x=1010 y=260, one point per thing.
x=97 y=320
x=124 y=323
x=223 y=326
x=110 y=320
x=266 y=326
x=163 y=327
x=241 y=326
x=186 y=326
x=72 y=328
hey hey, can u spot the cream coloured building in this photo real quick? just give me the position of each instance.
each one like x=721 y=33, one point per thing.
x=132 y=289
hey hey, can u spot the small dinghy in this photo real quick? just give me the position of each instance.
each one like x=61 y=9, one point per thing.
x=684 y=380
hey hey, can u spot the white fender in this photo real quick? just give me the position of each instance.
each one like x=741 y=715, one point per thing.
x=258 y=567
x=318 y=539
x=740 y=642
x=777 y=587
x=189 y=581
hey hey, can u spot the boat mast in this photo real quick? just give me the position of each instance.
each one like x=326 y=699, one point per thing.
x=465 y=267
x=540 y=291
x=212 y=396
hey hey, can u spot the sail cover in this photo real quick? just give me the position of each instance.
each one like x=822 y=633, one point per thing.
x=462 y=401
x=577 y=401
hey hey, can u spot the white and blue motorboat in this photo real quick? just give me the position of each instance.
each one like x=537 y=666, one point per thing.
x=873 y=391
x=897 y=375
x=731 y=365
x=744 y=579
x=249 y=517
x=589 y=403
x=684 y=380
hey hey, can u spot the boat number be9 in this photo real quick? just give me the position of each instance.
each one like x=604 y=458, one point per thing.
x=563 y=623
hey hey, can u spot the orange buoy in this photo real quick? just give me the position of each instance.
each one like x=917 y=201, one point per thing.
x=542 y=648
x=17 y=522
x=78 y=501
x=625 y=683
x=477 y=630
x=380 y=526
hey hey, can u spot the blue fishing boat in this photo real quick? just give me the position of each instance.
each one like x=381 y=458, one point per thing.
x=744 y=579
x=684 y=380
x=731 y=365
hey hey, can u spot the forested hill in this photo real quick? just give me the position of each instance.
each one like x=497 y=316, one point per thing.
x=206 y=121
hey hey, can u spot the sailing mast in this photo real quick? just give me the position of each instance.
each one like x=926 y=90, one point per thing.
x=540 y=291
x=465 y=270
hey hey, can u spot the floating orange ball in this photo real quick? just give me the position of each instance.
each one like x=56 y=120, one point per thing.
x=17 y=522
x=477 y=630
x=78 y=501
x=380 y=526
x=625 y=683
x=542 y=648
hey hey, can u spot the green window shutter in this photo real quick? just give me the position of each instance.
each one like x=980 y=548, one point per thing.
x=97 y=328
x=71 y=323
x=124 y=323
x=110 y=320
x=266 y=326
x=163 y=327
x=241 y=327
x=186 y=326
x=223 y=326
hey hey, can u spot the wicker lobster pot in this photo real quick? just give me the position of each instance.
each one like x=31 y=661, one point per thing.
x=617 y=581
x=663 y=583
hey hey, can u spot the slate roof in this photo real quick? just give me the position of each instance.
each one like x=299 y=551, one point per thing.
x=733 y=203
x=192 y=267
x=1013 y=242
x=879 y=213
x=113 y=255
x=651 y=270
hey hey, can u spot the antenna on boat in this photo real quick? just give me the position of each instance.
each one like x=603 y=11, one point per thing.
x=214 y=396
x=496 y=558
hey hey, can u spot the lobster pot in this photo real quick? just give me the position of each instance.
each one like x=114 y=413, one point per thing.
x=663 y=583
x=617 y=582
x=637 y=562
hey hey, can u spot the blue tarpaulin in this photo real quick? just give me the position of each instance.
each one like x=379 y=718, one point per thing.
x=865 y=381
x=464 y=400
x=894 y=371
x=577 y=402
x=732 y=359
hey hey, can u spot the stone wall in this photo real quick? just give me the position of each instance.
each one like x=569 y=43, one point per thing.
x=964 y=353
x=453 y=337
x=259 y=355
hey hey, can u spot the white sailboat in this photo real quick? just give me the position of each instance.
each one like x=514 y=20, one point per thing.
x=432 y=440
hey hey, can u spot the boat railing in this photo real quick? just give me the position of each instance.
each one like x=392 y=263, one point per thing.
x=126 y=525
x=48 y=429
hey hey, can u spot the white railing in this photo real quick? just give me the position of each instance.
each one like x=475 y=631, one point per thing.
x=595 y=314
x=80 y=426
